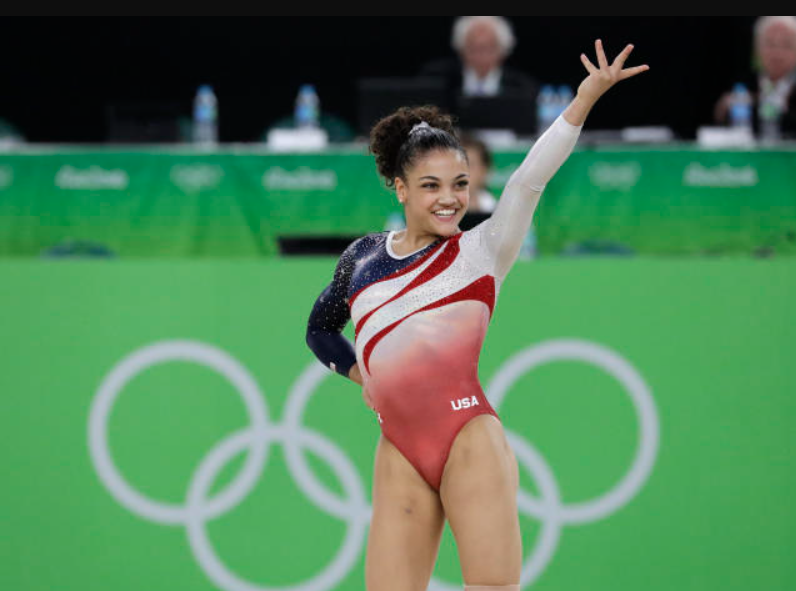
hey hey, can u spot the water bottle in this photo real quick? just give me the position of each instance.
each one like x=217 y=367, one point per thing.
x=528 y=247
x=563 y=98
x=307 y=111
x=741 y=108
x=545 y=108
x=205 y=116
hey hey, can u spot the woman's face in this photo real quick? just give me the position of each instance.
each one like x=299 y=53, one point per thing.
x=435 y=193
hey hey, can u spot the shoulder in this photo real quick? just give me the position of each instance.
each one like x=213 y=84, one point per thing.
x=355 y=251
x=472 y=245
x=792 y=96
x=368 y=240
x=363 y=245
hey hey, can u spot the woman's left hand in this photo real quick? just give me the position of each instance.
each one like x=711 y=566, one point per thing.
x=601 y=79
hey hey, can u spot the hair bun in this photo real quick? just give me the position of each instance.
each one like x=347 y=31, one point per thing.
x=389 y=134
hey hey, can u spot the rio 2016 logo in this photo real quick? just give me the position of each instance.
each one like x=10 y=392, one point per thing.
x=353 y=508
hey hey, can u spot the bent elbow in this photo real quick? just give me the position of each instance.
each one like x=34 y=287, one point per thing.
x=309 y=336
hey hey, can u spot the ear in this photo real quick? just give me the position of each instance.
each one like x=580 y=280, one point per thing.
x=400 y=189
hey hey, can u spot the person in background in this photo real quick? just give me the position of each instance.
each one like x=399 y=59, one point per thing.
x=480 y=159
x=483 y=43
x=774 y=85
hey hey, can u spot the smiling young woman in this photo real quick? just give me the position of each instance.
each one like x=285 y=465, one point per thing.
x=421 y=301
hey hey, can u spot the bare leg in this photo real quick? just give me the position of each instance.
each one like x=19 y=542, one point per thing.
x=406 y=527
x=479 y=494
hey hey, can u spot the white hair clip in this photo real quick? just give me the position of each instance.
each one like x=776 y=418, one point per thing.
x=418 y=126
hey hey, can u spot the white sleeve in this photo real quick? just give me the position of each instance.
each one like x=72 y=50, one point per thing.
x=499 y=237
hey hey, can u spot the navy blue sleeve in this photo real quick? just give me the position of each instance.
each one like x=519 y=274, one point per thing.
x=329 y=316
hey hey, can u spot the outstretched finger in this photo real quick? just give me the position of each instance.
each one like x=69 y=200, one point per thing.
x=601 y=59
x=628 y=72
x=589 y=66
x=620 y=59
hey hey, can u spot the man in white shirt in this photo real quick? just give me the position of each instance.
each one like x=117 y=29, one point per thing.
x=482 y=43
x=774 y=85
x=775 y=41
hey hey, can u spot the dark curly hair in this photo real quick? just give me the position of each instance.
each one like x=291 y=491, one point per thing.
x=396 y=150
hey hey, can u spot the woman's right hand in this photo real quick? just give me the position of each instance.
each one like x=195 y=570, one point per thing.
x=356 y=376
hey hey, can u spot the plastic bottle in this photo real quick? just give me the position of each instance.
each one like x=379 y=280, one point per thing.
x=205 y=116
x=563 y=98
x=307 y=111
x=741 y=107
x=545 y=108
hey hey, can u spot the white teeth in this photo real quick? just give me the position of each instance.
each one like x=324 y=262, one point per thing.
x=445 y=212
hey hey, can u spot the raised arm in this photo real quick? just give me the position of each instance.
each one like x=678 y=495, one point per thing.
x=504 y=231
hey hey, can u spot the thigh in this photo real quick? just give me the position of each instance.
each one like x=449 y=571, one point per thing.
x=479 y=495
x=406 y=526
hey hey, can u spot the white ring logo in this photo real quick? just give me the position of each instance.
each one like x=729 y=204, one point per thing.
x=353 y=508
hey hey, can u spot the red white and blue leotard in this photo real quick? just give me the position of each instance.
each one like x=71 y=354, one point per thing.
x=420 y=319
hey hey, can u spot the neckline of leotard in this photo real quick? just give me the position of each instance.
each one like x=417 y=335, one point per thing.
x=391 y=252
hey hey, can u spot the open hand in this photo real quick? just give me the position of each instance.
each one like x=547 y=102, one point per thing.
x=601 y=79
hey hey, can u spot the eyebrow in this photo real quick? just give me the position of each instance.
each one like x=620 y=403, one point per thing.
x=433 y=178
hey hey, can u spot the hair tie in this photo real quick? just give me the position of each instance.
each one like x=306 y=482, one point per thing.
x=418 y=126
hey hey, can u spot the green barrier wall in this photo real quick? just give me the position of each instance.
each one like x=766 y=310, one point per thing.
x=651 y=404
x=237 y=202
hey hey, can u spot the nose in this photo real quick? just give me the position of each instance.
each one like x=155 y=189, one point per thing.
x=449 y=196
x=448 y=200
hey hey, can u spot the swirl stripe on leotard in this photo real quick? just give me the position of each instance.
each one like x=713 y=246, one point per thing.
x=482 y=289
x=442 y=262
x=366 y=302
x=409 y=268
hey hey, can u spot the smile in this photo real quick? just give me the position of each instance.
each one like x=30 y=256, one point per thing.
x=445 y=214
